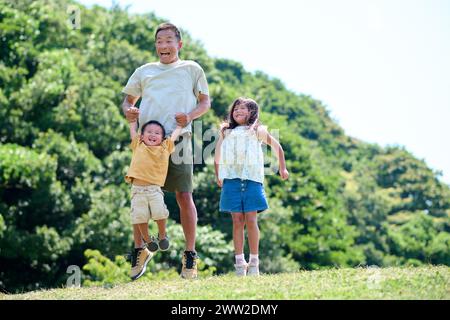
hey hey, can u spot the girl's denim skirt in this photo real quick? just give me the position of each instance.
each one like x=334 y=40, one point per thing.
x=242 y=196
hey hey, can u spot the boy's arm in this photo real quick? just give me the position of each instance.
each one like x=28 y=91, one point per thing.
x=268 y=139
x=217 y=156
x=176 y=133
x=133 y=130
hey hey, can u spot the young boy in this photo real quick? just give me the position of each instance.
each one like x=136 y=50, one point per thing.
x=147 y=174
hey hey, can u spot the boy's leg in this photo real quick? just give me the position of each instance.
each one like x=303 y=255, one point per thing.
x=159 y=214
x=140 y=255
x=163 y=239
x=143 y=229
x=140 y=216
x=138 y=243
x=161 y=228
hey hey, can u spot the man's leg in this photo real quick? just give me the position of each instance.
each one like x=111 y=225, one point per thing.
x=188 y=217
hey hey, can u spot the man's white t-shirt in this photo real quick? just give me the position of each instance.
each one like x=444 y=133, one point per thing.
x=167 y=89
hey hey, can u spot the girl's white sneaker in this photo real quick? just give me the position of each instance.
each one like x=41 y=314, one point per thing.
x=253 y=269
x=241 y=269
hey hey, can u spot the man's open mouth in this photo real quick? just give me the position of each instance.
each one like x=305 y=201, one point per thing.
x=165 y=54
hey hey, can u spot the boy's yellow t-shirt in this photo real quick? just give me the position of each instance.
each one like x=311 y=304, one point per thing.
x=149 y=163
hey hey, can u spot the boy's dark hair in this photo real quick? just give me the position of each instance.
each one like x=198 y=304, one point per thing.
x=168 y=26
x=253 y=109
x=154 y=122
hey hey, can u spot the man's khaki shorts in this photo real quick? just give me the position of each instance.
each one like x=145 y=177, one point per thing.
x=147 y=203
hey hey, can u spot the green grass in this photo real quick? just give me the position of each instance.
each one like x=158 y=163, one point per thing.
x=430 y=282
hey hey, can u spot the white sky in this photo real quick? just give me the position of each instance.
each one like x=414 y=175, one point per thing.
x=381 y=67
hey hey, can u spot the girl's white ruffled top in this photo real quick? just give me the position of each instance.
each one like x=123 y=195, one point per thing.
x=241 y=155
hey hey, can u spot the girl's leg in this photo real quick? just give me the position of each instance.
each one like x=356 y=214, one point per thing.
x=161 y=228
x=238 y=232
x=251 y=222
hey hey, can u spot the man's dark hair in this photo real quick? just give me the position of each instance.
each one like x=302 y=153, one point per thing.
x=168 y=26
x=154 y=122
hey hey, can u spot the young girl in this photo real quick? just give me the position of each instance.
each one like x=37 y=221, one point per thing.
x=239 y=165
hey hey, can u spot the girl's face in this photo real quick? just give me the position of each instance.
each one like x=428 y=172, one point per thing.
x=153 y=135
x=241 y=114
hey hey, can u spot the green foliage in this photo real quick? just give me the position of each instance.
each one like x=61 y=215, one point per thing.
x=420 y=240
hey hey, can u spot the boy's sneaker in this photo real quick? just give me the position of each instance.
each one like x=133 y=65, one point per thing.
x=241 y=269
x=152 y=245
x=189 y=262
x=253 y=269
x=139 y=259
x=163 y=244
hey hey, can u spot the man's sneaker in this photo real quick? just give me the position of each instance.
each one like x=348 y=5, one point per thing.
x=253 y=269
x=163 y=244
x=139 y=259
x=152 y=245
x=189 y=261
x=241 y=269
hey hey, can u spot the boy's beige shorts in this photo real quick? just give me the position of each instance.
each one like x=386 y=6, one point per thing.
x=147 y=202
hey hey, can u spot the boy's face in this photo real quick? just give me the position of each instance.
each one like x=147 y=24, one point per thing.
x=153 y=135
x=241 y=114
x=167 y=46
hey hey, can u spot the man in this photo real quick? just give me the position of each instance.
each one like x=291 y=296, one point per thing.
x=174 y=92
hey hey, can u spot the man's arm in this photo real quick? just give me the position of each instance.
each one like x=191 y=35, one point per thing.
x=204 y=104
x=128 y=108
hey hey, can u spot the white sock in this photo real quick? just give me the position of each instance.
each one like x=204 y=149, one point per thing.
x=240 y=259
x=254 y=259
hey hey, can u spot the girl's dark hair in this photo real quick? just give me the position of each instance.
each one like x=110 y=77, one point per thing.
x=253 y=109
x=154 y=122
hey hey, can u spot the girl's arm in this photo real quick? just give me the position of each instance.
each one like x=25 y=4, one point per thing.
x=268 y=139
x=133 y=130
x=217 y=158
x=176 y=133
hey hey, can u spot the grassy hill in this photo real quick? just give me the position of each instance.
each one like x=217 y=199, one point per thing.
x=430 y=282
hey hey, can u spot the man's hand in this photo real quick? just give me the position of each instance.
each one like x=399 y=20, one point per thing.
x=219 y=182
x=132 y=114
x=182 y=119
